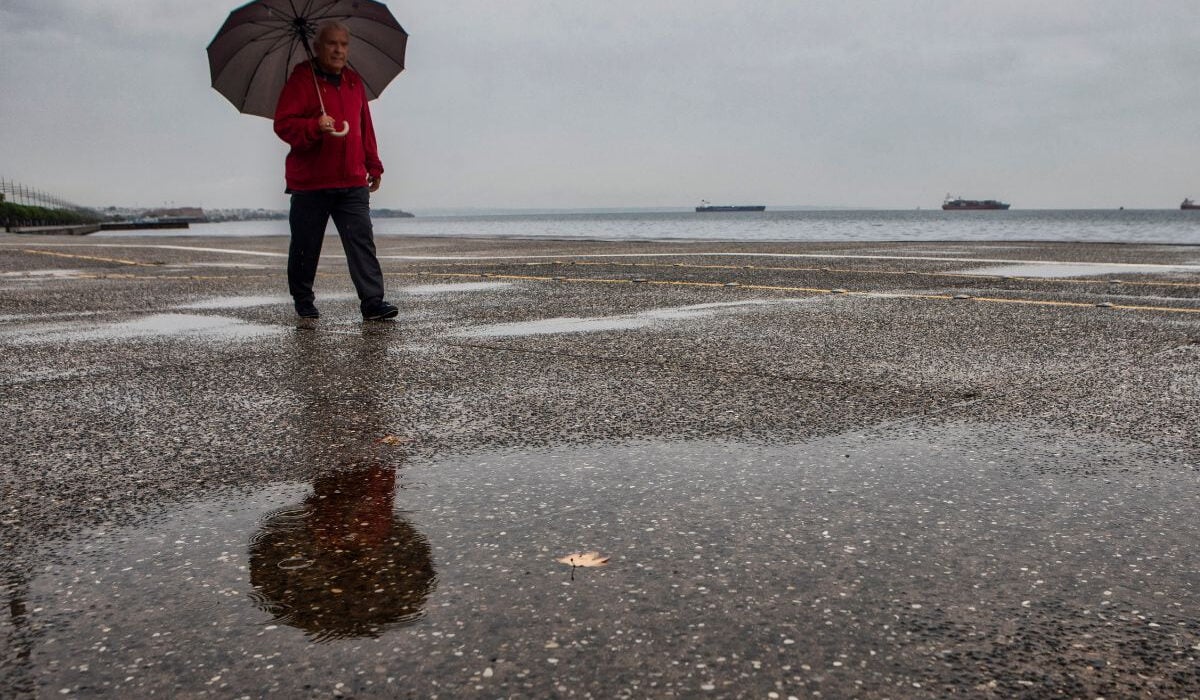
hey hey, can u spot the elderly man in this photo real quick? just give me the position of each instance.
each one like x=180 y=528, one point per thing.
x=330 y=172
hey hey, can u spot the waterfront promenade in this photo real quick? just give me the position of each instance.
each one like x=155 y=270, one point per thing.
x=817 y=470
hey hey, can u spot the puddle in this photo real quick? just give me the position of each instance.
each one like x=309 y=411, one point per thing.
x=14 y=318
x=30 y=279
x=230 y=265
x=853 y=554
x=614 y=323
x=30 y=376
x=245 y=302
x=971 y=250
x=342 y=563
x=922 y=251
x=1052 y=270
x=336 y=561
x=40 y=274
x=424 y=289
x=156 y=326
x=251 y=301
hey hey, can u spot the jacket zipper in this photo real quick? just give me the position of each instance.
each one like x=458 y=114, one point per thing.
x=342 y=111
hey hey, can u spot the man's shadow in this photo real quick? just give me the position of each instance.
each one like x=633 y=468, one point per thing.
x=343 y=562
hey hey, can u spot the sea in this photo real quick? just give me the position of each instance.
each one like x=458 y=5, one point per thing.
x=1164 y=226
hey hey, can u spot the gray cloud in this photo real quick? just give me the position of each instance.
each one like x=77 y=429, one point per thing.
x=535 y=103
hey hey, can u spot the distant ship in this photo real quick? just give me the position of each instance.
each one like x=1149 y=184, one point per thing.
x=1189 y=204
x=958 y=203
x=705 y=207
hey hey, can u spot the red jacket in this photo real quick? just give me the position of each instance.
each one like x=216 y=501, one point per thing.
x=320 y=161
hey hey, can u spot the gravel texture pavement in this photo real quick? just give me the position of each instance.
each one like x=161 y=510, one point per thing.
x=816 y=470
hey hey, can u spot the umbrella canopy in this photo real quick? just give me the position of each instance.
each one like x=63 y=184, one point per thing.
x=254 y=52
x=343 y=563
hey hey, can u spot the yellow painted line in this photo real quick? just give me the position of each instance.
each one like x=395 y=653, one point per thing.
x=1047 y=302
x=958 y=275
x=809 y=290
x=676 y=283
x=128 y=276
x=119 y=276
x=775 y=288
x=119 y=261
x=1120 y=283
x=531 y=278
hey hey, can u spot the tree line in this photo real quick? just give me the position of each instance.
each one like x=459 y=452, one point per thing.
x=24 y=215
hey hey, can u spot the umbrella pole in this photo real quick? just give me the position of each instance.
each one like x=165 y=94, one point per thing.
x=312 y=64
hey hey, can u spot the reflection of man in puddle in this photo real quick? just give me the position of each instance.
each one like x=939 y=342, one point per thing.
x=343 y=563
x=18 y=641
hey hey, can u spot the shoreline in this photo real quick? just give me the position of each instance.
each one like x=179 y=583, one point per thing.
x=333 y=234
x=1162 y=227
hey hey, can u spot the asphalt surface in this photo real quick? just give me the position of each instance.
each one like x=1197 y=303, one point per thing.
x=816 y=470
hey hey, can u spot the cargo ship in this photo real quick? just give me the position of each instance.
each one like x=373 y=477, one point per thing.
x=1189 y=204
x=958 y=203
x=705 y=207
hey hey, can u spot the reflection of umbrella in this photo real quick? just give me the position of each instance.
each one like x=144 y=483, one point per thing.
x=252 y=55
x=344 y=563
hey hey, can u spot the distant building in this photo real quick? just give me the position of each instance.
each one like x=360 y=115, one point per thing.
x=190 y=215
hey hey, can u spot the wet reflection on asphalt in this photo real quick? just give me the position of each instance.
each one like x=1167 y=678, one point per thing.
x=237 y=302
x=343 y=563
x=955 y=556
x=814 y=498
x=153 y=326
x=1057 y=270
x=251 y=301
x=622 y=322
x=451 y=288
x=39 y=275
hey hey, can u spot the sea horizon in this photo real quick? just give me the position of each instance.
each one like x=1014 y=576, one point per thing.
x=431 y=212
x=1164 y=226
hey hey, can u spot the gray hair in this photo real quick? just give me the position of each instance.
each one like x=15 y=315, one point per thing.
x=331 y=26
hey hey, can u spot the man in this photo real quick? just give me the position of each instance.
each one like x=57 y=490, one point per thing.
x=330 y=173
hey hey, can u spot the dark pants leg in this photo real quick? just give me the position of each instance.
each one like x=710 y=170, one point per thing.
x=352 y=215
x=351 y=212
x=308 y=217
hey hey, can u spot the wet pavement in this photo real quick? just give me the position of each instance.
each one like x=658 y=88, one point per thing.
x=818 y=470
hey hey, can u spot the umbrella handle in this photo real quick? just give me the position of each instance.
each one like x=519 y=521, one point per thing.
x=345 y=129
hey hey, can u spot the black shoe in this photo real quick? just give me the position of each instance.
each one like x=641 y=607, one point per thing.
x=380 y=312
x=306 y=309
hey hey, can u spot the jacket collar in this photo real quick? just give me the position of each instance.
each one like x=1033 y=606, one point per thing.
x=347 y=75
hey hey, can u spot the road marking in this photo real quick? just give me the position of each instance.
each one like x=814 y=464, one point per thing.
x=781 y=288
x=119 y=261
x=1007 y=261
x=859 y=271
x=843 y=256
x=199 y=249
x=810 y=290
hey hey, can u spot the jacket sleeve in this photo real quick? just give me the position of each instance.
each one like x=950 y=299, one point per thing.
x=295 y=118
x=370 y=147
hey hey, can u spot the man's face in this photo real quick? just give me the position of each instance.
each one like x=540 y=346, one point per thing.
x=333 y=48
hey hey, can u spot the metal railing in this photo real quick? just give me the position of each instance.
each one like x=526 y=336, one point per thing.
x=18 y=193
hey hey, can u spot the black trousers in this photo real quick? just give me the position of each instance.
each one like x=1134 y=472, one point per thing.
x=351 y=211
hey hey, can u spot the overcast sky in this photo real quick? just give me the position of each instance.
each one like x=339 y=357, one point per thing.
x=641 y=103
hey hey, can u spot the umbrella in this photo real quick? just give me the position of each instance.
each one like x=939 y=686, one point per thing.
x=343 y=563
x=253 y=53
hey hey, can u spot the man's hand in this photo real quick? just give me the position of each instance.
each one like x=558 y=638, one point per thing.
x=373 y=182
x=325 y=124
